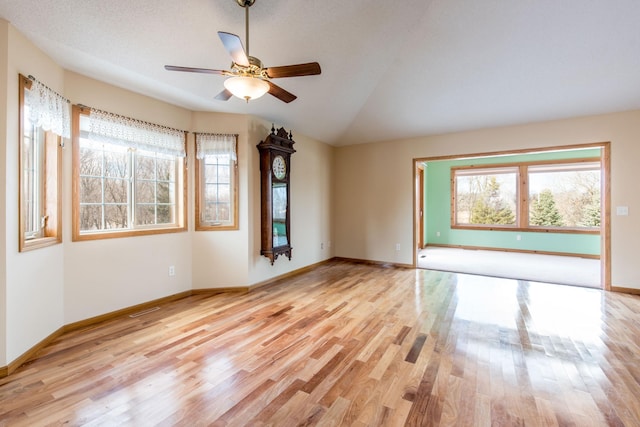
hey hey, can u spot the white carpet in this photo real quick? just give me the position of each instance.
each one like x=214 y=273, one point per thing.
x=563 y=270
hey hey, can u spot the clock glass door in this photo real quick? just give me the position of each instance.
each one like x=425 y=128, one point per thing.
x=279 y=199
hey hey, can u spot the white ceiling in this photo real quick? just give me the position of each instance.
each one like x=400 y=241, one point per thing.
x=390 y=69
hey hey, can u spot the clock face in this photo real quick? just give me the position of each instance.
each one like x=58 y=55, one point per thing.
x=279 y=167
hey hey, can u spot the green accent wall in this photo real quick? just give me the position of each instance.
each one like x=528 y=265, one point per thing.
x=438 y=211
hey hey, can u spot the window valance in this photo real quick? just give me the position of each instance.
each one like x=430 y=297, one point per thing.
x=48 y=109
x=216 y=144
x=119 y=130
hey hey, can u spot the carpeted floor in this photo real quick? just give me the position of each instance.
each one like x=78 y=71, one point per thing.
x=563 y=270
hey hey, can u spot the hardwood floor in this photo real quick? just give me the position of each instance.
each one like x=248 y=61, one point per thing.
x=348 y=344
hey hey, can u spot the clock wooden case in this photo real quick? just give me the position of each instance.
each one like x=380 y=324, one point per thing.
x=275 y=179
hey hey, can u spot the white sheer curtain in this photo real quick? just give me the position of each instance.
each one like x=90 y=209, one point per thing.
x=48 y=110
x=216 y=144
x=119 y=130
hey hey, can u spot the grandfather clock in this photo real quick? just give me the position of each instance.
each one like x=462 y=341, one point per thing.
x=275 y=178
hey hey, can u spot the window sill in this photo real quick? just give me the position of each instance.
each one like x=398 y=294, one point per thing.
x=41 y=242
x=526 y=229
x=78 y=236
x=211 y=227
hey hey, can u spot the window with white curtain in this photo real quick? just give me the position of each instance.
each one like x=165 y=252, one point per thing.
x=216 y=182
x=128 y=177
x=44 y=121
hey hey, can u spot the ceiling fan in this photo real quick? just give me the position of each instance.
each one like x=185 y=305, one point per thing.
x=248 y=78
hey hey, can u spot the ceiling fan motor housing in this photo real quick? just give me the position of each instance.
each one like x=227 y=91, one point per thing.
x=245 y=3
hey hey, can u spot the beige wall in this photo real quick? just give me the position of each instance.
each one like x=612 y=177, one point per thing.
x=47 y=288
x=374 y=198
x=4 y=46
x=34 y=279
x=220 y=258
x=101 y=276
x=311 y=178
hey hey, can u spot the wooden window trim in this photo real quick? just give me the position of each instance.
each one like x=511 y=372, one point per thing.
x=205 y=226
x=181 y=213
x=522 y=187
x=52 y=182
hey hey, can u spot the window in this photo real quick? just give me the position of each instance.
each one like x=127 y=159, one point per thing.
x=486 y=197
x=545 y=196
x=564 y=195
x=44 y=117
x=216 y=182
x=128 y=176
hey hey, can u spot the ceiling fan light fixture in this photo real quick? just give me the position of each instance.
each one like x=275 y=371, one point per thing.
x=247 y=88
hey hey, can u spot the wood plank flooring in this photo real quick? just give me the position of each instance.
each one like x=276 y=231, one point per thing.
x=348 y=344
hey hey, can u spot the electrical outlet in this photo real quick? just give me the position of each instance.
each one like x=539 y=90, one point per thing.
x=437 y=234
x=321 y=245
x=172 y=270
x=518 y=237
x=397 y=246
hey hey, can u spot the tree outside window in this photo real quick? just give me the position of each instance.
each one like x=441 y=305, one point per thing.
x=553 y=196
x=128 y=177
x=486 y=198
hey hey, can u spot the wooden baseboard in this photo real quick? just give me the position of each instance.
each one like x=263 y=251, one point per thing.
x=125 y=311
x=32 y=352
x=525 y=251
x=268 y=282
x=29 y=354
x=632 y=291
x=213 y=291
x=376 y=263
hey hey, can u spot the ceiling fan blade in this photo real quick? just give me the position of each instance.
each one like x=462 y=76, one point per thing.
x=280 y=93
x=308 y=69
x=192 y=70
x=233 y=44
x=224 y=95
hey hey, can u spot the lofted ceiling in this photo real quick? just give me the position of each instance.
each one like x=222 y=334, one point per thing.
x=390 y=69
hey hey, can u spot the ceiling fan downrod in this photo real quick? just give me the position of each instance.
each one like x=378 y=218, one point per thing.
x=246 y=4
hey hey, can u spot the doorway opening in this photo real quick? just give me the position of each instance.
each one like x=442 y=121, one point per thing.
x=517 y=203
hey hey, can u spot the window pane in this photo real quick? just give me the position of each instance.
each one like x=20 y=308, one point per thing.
x=163 y=193
x=90 y=162
x=166 y=170
x=224 y=194
x=116 y=191
x=486 y=198
x=217 y=212
x=211 y=192
x=145 y=167
x=91 y=190
x=565 y=196
x=32 y=180
x=145 y=214
x=145 y=192
x=156 y=188
x=224 y=175
x=165 y=214
x=211 y=174
x=90 y=217
x=115 y=164
x=217 y=189
x=116 y=216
